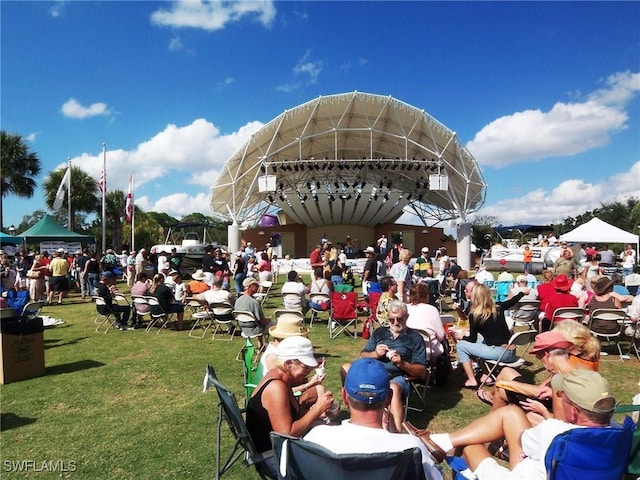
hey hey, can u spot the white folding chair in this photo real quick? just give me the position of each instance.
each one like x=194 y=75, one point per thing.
x=158 y=315
x=222 y=314
x=104 y=314
x=568 y=313
x=490 y=367
x=31 y=310
x=247 y=323
x=140 y=308
x=263 y=292
x=525 y=313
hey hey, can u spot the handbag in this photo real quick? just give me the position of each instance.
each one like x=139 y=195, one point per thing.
x=33 y=274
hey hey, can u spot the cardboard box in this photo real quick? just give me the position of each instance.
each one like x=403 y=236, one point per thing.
x=21 y=354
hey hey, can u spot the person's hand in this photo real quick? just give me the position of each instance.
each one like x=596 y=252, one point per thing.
x=535 y=406
x=315 y=380
x=381 y=350
x=323 y=403
x=394 y=357
x=545 y=392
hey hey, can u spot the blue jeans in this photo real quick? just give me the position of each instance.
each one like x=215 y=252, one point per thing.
x=466 y=350
x=92 y=283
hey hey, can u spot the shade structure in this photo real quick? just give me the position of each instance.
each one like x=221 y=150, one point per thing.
x=599 y=231
x=352 y=158
x=47 y=229
x=9 y=239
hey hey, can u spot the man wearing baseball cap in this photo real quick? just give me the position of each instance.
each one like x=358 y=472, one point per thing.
x=107 y=289
x=423 y=263
x=587 y=401
x=367 y=393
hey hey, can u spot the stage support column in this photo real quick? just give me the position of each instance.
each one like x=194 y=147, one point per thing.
x=464 y=245
x=233 y=233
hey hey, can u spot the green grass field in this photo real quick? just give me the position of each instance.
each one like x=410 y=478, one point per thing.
x=130 y=404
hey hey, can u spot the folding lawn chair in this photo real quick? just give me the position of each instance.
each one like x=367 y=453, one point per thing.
x=491 y=367
x=222 y=314
x=31 y=310
x=229 y=411
x=263 y=292
x=247 y=324
x=104 y=314
x=140 y=308
x=607 y=324
x=299 y=459
x=567 y=313
x=251 y=368
x=633 y=464
x=158 y=315
x=525 y=313
x=343 y=314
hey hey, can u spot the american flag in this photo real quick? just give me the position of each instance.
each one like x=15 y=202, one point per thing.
x=101 y=182
x=128 y=208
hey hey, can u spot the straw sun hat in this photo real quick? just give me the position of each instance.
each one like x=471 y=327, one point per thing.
x=288 y=325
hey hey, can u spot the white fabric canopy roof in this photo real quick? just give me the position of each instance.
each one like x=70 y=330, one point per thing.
x=597 y=231
x=352 y=158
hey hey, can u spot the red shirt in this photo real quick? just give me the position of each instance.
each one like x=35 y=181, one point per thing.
x=315 y=258
x=559 y=300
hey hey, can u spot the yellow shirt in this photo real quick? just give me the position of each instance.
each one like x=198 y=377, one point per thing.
x=59 y=267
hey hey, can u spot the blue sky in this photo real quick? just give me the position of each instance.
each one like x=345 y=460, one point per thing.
x=544 y=95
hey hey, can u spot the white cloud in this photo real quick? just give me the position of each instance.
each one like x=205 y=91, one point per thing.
x=57 y=8
x=71 y=108
x=175 y=44
x=308 y=68
x=31 y=137
x=288 y=87
x=570 y=198
x=177 y=204
x=177 y=159
x=566 y=129
x=226 y=81
x=213 y=15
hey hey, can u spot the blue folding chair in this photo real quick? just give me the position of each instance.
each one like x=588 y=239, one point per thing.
x=579 y=453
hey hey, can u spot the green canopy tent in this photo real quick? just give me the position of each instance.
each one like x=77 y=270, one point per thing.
x=47 y=229
x=9 y=239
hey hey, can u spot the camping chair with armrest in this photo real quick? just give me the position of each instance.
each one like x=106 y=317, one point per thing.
x=343 y=314
x=251 y=369
x=633 y=463
x=525 y=313
x=491 y=367
x=590 y=453
x=229 y=412
x=222 y=314
x=104 y=314
x=315 y=300
x=299 y=459
x=502 y=290
x=372 y=306
x=607 y=324
x=158 y=315
x=31 y=310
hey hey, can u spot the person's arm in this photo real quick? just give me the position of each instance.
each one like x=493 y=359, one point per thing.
x=507 y=304
x=415 y=370
x=276 y=398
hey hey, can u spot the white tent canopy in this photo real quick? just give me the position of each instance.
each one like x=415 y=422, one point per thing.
x=597 y=231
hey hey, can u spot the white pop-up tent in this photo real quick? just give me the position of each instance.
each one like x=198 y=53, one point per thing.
x=597 y=231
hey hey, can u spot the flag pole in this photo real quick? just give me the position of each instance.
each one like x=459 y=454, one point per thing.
x=133 y=212
x=70 y=223
x=104 y=194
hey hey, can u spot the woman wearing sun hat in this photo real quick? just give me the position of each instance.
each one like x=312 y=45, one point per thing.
x=273 y=406
x=560 y=299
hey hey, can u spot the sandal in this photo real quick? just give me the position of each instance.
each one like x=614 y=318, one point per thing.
x=434 y=449
x=484 y=396
x=499 y=449
x=470 y=387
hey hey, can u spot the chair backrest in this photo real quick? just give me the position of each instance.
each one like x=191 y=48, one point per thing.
x=222 y=311
x=318 y=298
x=606 y=321
x=32 y=310
x=343 y=305
x=525 y=338
x=291 y=315
x=244 y=318
x=251 y=371
x=121 y=299
x=568 y=313
x=140 y=304
x=101 y=306
x=502 y=290
x=590 y=453
x=299 y=459
x=231 y=412
x=633 y=466
x=154 y=306
x=526 y=311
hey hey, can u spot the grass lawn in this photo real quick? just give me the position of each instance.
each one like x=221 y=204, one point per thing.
x=130 y=404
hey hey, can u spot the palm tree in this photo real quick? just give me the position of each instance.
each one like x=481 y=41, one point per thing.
x=19 y=168
x=84 y=192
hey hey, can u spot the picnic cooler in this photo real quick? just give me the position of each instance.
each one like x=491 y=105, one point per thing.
x=21 y=347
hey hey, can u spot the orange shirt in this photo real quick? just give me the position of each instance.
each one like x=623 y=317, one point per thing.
x=197 y=287
x=528 y=256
